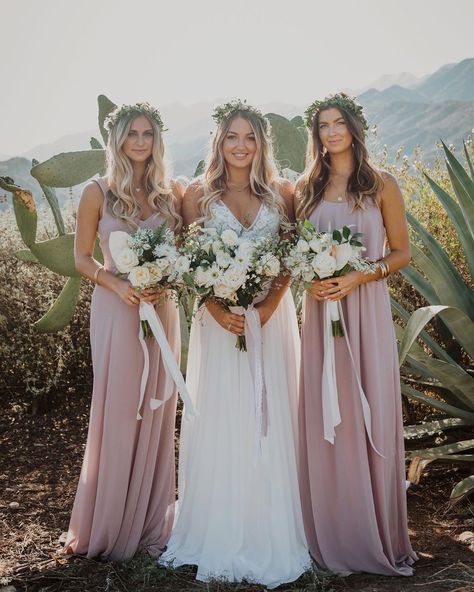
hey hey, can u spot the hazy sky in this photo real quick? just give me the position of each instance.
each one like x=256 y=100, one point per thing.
x=58 y=55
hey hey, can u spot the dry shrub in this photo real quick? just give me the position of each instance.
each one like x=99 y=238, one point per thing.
x=39 y=364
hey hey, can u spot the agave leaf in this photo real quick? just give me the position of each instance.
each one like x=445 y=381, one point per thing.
x=416 y=323
x=451 y=410
x=445 y=450
x=420 y=283
x=290 y=146
x=26 y=255
x=450 y=290
x=95 y=144
x=463 y=186
x=450 y=376
x=69 y=168
x=106 y=106
x=462 y=489
x=57 y=254
x=468 y=159
x=414 y=432
x=419 y=463
x=430 y=342
x=457 y=218
x=60 y=313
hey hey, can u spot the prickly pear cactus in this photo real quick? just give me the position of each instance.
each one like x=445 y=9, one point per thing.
x=57 y=254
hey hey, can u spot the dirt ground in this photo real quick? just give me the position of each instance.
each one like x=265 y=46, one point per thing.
x=40 y=459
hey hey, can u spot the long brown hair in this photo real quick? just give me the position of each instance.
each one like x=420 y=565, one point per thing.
x=364 y=183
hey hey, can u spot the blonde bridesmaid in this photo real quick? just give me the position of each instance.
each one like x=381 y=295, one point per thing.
x=126 y=492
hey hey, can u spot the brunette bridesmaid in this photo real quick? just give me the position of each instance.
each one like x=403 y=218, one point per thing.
x=353 y=491
x=126 y=492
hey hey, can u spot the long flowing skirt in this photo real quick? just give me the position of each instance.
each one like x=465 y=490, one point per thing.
x=125 y=496
x=239 y=514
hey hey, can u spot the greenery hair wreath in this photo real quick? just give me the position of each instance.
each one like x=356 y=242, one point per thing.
x=338 y=100
x=136 y=110
x=222 y=112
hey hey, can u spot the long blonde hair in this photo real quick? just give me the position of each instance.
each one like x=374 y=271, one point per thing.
x=263 y=173
x=364 y=182
x=120 y=177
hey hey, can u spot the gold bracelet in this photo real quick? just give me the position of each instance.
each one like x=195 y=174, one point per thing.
x=384 y=268
x=96 y=273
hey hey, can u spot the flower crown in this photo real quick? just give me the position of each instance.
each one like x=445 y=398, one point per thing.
x=224 y=111
x=338 y=100
x=135 y=110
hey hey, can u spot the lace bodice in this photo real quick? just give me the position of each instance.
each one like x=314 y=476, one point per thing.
x=266 y=223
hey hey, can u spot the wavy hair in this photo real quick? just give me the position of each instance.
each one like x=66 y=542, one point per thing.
x=119 y=174
x=263 y=172
x=364 y=183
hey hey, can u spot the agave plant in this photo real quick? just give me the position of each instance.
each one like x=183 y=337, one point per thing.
x=452 y=300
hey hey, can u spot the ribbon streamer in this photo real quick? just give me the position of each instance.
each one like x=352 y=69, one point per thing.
x=148 y=313
x=330 y=403
x=254 y=341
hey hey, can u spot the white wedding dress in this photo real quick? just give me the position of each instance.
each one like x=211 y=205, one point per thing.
x=239 y=515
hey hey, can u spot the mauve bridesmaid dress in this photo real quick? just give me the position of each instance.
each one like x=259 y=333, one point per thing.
x=126 y=492
x=354 y=501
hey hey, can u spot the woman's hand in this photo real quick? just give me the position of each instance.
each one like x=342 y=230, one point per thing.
x=152 y=295
x=318 y=289
x=265 y=311
x=233 y=323
x=127 y=293
x=339 y=287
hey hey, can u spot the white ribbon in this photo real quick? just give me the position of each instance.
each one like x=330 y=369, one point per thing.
x=330 y=403
x=254 y=342
x=148 y=313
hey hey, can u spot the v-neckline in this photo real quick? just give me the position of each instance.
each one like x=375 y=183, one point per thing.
x=257 y=215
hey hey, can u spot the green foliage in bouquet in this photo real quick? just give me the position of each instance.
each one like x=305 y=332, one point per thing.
x=449 y=296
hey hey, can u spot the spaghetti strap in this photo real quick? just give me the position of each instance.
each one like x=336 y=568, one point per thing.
x=104 y=187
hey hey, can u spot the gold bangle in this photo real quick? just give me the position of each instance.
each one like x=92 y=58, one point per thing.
x=384 y=268
x=96 y=273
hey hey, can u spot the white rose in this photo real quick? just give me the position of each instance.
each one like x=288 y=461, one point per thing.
x=234 y=276
x=217 y=247
x=201 y=276
x=182 y=264
x=126 y=260
x=324 y=265
x=229 y=238
x=155 y=272
x=118 y=241
x=270 y=264
x=316 y=245
x=343 y=254
x=245 y=249
x=223 y=259
x=223 y=291
x=302 y=246
x=139 y=276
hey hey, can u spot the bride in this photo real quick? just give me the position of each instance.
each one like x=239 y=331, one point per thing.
x=239 y=515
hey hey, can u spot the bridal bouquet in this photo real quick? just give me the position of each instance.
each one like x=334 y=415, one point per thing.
x=147 y=258
x=228 y=268
x=317 y=255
